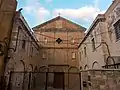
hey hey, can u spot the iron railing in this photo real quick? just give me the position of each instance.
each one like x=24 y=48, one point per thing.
x=44 y=81
x=102 y=79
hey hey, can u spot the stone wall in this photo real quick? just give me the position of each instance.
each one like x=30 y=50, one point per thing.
x=23 y=51
x=59 y=53
x=101 y=80
x=7 y=12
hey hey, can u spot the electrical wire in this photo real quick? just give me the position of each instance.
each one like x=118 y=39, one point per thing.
x=75 y=39
x=62 y=40
x=53 y=42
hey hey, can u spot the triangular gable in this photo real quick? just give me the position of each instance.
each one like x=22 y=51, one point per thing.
x=59 y=22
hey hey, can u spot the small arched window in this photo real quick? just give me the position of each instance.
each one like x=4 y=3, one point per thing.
x=44 y=55
x=23 y=44
x=85 y=51
x=45 y=40
x=73 y=41
x=73 y=55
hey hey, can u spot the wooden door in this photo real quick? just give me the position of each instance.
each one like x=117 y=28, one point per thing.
x=58 y=80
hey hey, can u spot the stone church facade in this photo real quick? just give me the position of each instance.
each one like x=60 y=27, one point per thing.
x=59 y=39
x=54 y=49
x=51 y=56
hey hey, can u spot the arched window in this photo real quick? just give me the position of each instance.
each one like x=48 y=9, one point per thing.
x=93 y=44
x=45 y=40
x=85 y=53
x=44 y=55
x=86 y=67
x=96 y=65
x=72 y=41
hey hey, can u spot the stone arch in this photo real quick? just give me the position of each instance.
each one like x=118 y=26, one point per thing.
x=19 y=66
x=40 y=75
x=43 y=69
x=73 y=68
x=30 y=67
x=86 y=67
x=112 y=62
x=58 y=69
x=36 y=69
x=57 y=76
x=94 y=65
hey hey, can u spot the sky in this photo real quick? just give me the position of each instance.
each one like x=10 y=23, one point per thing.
x=82 y=12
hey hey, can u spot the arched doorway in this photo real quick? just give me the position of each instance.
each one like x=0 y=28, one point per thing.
x=19 y=66
x=26 y=77
x=39 y=77
x=74 y=78
x=58 y=78
x=17 y=77
x=84 y=77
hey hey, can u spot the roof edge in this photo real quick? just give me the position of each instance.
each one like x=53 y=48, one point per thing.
x=99 y=18
x=56 y=19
